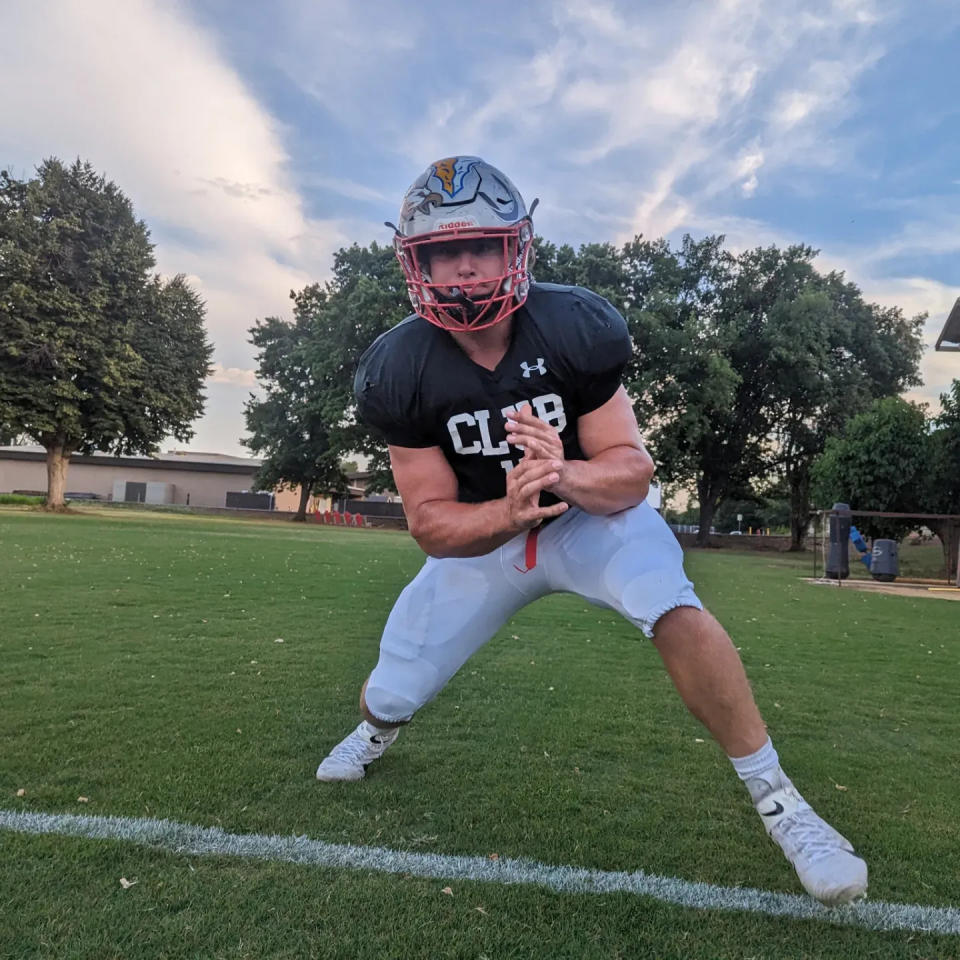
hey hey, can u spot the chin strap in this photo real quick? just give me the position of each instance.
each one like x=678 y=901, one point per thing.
x=460 y=299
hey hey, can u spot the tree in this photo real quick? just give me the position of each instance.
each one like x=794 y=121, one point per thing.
x=693 y=377
x=831 y=355
x=95 y=352
x=689 y=515
x=745 y=365
x=696 y=373
x=942 y=488
x=598 y=266
x=893 y=458
x=305 y=425
x=288 y=427
x=880 y=462
x=742 y=366
x=10 y=438
x=769 y=508
x=679 y=378
x=366 y=296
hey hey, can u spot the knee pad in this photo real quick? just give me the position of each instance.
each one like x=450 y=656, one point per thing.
x=646 y=583
x=399 y=687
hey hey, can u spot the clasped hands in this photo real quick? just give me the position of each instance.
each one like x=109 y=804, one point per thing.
x=542 y=468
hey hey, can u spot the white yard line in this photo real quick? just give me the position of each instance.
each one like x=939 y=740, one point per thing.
x=183 y=838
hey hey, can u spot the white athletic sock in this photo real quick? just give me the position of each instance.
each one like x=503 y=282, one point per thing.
x=379 y=732
x=760 y=771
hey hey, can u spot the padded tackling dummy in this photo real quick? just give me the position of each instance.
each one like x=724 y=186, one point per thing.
x=629 y=562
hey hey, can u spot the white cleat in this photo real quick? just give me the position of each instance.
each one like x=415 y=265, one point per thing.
x=349 y=759
x=825 y=861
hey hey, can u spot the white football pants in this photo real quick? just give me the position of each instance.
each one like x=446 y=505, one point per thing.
x=630 y=562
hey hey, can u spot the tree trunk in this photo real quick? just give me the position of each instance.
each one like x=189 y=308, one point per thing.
x=949 y=533
x=58 y=460
x=953 y=561
x=799 y=507
x=301 y=514
x=707 y=510
x=951 y=552
x=708 y=507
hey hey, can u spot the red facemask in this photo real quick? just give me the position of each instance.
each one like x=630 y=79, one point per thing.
x=454 y=307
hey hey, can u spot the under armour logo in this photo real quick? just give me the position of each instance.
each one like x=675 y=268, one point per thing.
x=528 y=369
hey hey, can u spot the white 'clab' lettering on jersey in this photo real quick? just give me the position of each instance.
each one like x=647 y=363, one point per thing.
x=549 y=408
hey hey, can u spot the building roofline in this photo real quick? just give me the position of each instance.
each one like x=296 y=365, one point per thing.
x=949 y=338
x=143 y=463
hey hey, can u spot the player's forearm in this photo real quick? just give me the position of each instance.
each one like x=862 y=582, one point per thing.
x=613 y=480
x=446 y=528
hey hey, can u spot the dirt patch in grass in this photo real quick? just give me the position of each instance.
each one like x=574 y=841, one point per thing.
x=940 y=591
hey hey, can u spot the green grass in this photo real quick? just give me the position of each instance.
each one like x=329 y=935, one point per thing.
x=20 y=499
x=139 y=668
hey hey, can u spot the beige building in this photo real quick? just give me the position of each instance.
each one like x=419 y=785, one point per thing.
x=357 y=488
x=175 y=477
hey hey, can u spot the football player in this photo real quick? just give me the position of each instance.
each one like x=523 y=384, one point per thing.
x=522 y=470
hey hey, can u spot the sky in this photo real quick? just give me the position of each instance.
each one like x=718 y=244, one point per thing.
x=257 y=139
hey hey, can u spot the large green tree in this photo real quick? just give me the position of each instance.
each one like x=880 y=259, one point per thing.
x=366 y=296
x=707 y=327
x=288 y=426
x=598 y=266
x=95 y=351
x=892 y=458
x=694 y=374
x=942 y=487
x=879 y=462
x=831 y=355
x=305 y=426
x=681 y=378
x=743 y=365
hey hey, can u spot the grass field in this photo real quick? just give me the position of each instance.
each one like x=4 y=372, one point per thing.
x=141 y=669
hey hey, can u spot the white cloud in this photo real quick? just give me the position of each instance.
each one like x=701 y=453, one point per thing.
x=823 y=88
x=346 y=188
x=234 y=375
x=624 y=118
x=352 y=58
x=748 y=166
x=917 y=295
x=938 y=234
x=677 y=111
x=144 y=94
x=601 y=18
x=794 y=107
x=914 y=295
x=773 y=51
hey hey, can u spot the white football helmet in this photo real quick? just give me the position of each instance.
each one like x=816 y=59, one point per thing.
x=458 y=199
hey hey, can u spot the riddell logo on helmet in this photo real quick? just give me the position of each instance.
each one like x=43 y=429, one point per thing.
x=456 y=224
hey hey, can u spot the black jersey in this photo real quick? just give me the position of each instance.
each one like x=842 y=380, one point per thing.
x=566 y=357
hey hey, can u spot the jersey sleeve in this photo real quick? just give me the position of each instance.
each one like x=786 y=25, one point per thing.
x=386 y=401
x=599 y=350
